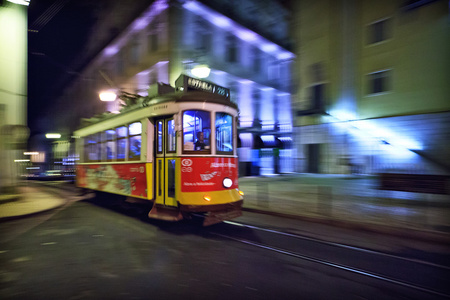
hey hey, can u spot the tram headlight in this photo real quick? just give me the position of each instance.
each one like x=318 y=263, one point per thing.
x=227 y=182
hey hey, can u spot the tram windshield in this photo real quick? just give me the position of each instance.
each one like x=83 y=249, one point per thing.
x=224 y=132
x=196 y=130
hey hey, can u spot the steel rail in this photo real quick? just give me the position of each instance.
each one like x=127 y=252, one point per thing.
x=334 y=265
x=302 y=237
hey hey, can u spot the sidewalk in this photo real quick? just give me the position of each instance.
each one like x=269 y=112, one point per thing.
x=349 y=201
x=29 y=200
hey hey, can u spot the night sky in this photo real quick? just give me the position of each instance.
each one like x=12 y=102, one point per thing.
x=58 y=31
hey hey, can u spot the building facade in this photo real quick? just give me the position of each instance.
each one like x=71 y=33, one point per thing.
x=373 y=92
x=13 y=91
x=242 y=44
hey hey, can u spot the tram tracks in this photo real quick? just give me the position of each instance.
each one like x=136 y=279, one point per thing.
x=420 y=276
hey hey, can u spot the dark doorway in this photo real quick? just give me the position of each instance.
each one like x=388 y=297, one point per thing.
x=313 y=158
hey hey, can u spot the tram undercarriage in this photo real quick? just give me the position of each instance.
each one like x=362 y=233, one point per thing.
x=213 y=214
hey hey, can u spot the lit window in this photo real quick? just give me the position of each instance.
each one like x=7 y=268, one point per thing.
x=91 y=148
x=379 y=82
x=110 y=145
x=159 y=141
x=102 y=146
x=379 y=31
x=135 y=130
x=122 y=133
x=171 y=136
x=224 y=132
x=196 y=130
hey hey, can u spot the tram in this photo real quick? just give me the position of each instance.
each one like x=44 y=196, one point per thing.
x=175 y=148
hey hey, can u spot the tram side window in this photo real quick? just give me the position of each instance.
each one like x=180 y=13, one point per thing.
x=224 y=132
x=102 y=146
x=110 y=144
x=160 y=137
x=171 y=136
x=122 y=133
x=91 y=148
x=135 y=130
x=196 y=130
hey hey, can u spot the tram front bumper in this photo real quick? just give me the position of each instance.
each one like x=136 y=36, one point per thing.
x=216 y=213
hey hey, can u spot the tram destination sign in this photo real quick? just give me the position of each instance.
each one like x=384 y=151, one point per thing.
x=193 y=84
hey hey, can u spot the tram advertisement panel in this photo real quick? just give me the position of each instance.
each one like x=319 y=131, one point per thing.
x=125 y=179
x=203 y=174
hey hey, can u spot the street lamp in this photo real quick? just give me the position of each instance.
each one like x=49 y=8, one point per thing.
x=107 y=96
x=201 y=71
x=52 y=135
x=21 y=2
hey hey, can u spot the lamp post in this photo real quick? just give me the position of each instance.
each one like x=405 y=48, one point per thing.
x=52 y=136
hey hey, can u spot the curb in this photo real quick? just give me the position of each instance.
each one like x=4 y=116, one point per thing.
x=411 y=233
x=9 y=198
x=16 y=217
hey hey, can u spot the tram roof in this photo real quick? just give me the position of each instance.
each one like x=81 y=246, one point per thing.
x=177 y=97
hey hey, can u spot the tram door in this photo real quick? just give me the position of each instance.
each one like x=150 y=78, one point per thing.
x=165 y=161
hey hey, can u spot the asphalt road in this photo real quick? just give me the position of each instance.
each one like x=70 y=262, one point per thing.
x=92 y=250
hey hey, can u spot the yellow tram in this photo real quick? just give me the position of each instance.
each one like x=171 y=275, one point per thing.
x=175 y=148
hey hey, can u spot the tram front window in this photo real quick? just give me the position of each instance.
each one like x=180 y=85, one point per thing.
x=224 y=132
x=196 y=130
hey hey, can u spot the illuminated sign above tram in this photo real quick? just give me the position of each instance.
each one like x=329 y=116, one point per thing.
x=190 y=84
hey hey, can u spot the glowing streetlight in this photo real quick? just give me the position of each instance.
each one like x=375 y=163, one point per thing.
x=21 y=2
x=107 y=96
x=52 y=135
x=201 y=71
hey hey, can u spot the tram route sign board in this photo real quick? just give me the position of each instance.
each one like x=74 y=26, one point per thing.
x=193 y=84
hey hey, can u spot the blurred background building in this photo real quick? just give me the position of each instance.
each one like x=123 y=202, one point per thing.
x=243 y=43
x=13 y=91
x=373 y=92
x=334 y=87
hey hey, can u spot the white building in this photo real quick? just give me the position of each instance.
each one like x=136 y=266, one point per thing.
x=173 y=37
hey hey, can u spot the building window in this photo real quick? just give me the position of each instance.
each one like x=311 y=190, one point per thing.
x=134 y=51
x=153 y=42
x=379 y=31
x=120 y=63
x=379 y=82
x=256 y=60
x=203 y=36
x=232 y=50
x=274 y=69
